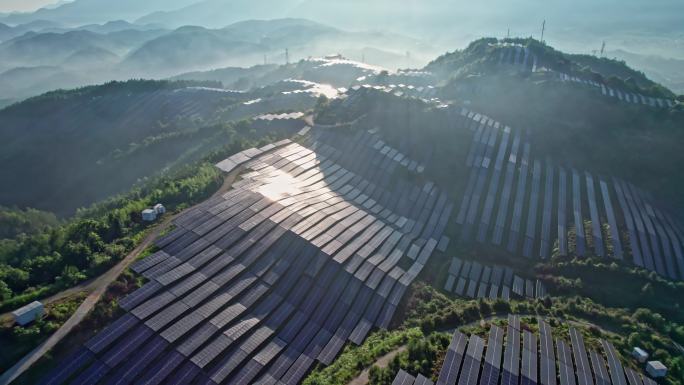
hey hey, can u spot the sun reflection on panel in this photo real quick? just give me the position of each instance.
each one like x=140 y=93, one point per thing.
x=280 y=186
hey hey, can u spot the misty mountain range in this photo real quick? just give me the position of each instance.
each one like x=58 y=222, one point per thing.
x=91 y=41
x=56 y=57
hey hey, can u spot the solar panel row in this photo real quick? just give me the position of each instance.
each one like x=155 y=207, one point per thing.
x=472 y=279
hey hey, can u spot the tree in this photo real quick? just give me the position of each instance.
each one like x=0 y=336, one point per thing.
x=5 y=291
x=70 y=276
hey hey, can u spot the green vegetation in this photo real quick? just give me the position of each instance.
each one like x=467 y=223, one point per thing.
x=17 y=341
x=614 y=285
x=14 y=221
x=89 y=144
x=355 y=358
x=423 y=356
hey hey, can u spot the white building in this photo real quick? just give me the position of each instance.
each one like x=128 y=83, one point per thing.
x=656 y=369
x=639 y=354
x=28 y=313
x=159 y=208
x=149 y=215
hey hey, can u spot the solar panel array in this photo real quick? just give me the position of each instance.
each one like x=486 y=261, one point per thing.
x=474 y=280
x=522 y=58
x=526 y=358
x=621 y=95
x=257 y=285
x=531 y=206
x=399 y=90
x=517 y=56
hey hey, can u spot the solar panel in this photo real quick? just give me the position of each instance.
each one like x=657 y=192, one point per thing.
x=493 y=187
x=518 y=286
x=519 y=200
x=452 y=361
x=511 y=363
x=403 y=378
x=422 y=380
x=599 y=368
x=74 y=363
x=460 y=286
x=492 y=365
x=562 y=211
x=629 y=222
x=471 y=364
x=545 y=246
x=580 y=241
x=617 y=374
x=636 y=216
x=530 y=230
x=502 y=213
x=633 y=377
x=580 y=356
x=594 y=214
x=565 y=366
x=529 y=359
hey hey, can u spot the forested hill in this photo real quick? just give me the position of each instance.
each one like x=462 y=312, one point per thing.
x=484 y=56
x=67 y=149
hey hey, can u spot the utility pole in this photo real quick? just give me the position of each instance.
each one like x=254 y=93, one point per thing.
x=543 y=28
x=287 y=56
x=508 y=34
x=603 y=48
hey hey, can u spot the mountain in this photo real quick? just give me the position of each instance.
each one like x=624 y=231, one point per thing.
x=91 y=57
x=120 y=50
x=190 y=48
x=68 y=149
x=9 y=32
x=219 y=13
x=67 y=157
x=81 y=12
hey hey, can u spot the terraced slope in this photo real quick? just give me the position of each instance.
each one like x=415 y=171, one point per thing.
x=545 y=210
x=313 y=248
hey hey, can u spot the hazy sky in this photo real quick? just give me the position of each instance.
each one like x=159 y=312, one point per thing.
x=23 y=5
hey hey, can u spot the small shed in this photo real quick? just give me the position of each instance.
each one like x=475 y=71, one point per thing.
x=149 y=215
x=656 y=369
x=639 y=354
x=159 y=208
x=28 y=313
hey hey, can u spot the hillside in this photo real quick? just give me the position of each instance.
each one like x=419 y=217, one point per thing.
x=505 y=189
